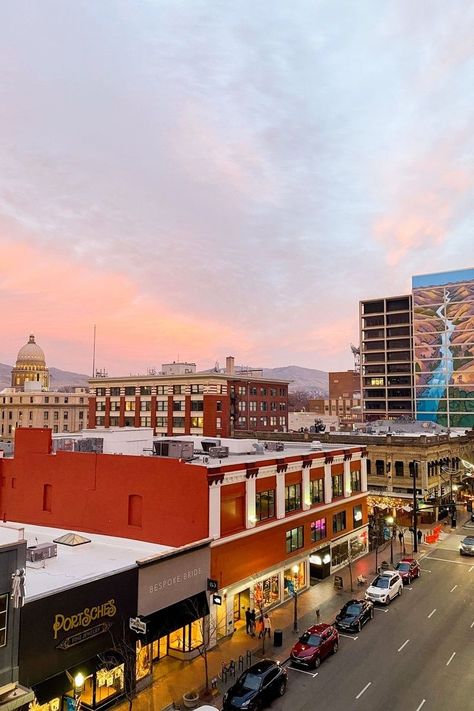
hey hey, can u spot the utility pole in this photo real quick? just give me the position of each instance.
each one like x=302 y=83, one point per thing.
x=415 y=512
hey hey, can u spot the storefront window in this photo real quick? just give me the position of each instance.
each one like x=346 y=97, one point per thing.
x=53 y=705
x=185 y=639
x=143 y=660
x=99 y=688
x=267 y=591
x=296 y=578
x=340 y=553
x=358 y=544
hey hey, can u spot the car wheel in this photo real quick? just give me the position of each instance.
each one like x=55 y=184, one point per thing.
x=400 y=590
x=372 y=614
x=317 y=662
x=359 y=626
x=257 y=706
x=282 y=687
x=335 y=648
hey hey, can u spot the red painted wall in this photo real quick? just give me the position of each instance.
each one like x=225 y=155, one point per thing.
x=90 y=492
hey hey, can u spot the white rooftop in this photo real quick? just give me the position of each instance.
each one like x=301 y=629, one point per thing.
x=73 y=565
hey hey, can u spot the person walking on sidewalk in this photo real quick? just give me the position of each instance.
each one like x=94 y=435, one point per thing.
x=259 y=627
x=419 y=535
x=252 y=622
x=248 y=623
x=267 y=626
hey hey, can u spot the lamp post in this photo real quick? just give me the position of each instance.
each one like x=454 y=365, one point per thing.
x=390 y=520
x=295 y=571
x=415 y=508
x=79 y=680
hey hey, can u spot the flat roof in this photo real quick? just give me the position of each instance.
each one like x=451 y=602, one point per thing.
x=74 y=565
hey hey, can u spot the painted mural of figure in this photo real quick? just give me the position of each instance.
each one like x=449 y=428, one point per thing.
x=18 y=588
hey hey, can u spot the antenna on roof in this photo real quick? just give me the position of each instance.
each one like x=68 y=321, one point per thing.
x=93 y=355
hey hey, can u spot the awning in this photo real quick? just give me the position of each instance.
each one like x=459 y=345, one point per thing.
x=175 y=616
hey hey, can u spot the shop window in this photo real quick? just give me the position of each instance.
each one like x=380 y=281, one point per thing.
x=340 y=553
x=294 y=539
x=316 y=488
x=47 y=497
x=357 y=517
x=292 y=497
x=265 y=504
x=267 y=592
x=101 y=687
x=3 y=619
x=294 y=578
x=135 y=502
x=339 y=522
x=337 y=486
x=318 y=529
x=356 y=482
x=358 y=544
x=143 y=660
x=187 y=638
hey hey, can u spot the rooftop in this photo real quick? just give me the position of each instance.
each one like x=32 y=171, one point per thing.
x=73 y=565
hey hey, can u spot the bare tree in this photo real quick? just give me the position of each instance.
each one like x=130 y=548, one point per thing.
x=123 y=652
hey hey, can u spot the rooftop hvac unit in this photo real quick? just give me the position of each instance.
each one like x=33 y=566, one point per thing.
x=90 y=444
x=173 y=449
x=206 y=444
x=41 y=552
x=275 y=446
x=259 y=448
x=316 y=444
x=218 y=452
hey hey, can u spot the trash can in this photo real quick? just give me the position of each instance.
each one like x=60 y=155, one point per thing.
x=277 y=638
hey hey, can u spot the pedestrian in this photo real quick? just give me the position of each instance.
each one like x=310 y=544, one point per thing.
x=400 y=537
x=252 y=622
x=318 y=615
x=248 y=623
x=267 y=627
x=259 y=627
x=419 y=535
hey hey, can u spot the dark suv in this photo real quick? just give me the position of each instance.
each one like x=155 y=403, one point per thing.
x=256 y=687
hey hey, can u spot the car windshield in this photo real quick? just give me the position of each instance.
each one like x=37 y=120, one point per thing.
x=251 y=681
x=314 y=640
x=380 y=582
x=469 y=541
x=403 y=566
x=353 y=610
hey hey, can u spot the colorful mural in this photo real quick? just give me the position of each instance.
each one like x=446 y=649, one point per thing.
x=443 y=342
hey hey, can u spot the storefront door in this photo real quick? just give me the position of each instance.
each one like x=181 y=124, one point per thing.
x=241 y=602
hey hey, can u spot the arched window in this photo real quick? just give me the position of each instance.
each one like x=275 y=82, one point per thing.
x=135 y=510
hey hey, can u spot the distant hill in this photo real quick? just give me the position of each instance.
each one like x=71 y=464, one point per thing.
x=58 y=378
x=308 y=379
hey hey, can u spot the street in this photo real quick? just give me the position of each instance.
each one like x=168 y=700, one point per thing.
x=418 y=653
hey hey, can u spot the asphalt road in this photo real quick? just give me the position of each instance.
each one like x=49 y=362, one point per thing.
x=418 y=653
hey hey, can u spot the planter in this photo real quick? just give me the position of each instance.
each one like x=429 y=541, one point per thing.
x=190 y=699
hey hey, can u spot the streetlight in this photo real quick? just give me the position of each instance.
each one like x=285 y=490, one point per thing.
x=79 y=681
x=295 y=570
x=415 y=508
x=390 y=520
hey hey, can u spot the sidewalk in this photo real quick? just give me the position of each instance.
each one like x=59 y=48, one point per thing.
x=172 y=678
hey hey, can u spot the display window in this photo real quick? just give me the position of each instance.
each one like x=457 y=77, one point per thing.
x=267 y=591
x=295 y=578
x=187 y=638
x=99 y=688
x=53 y=705
x=143 y=662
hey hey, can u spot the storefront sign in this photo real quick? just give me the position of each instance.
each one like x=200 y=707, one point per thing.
x=74 y=639
x=83 y=618
x=172 y=579
x=137 y=625
x=212 y=585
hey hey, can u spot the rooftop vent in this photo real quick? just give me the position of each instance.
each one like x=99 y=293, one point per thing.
x=42 y=551
x=72 y=539
x=218 y=452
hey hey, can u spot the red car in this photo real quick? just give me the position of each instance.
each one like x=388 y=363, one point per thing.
x=409 y=569
x=314 y=645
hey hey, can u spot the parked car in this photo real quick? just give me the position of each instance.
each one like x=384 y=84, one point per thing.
x=385 y=587
x=409 y=569
x=466 y=547
x=256 y=687
x=314 y=645
x=354 y=615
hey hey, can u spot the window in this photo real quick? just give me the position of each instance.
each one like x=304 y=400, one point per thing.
x=145 y=406
x=242 y=406
x=100 y=392
x=178 y=405
x=273 y=421
x=357 y=516
x=145 y=421
x=197 y=405
x=253 y=390
x=161 y=405
x=177 y=389
x=3 y=619
x=265 y=504
x=46 y=415
x=130 y=406
x=398 y=468
x=99 y=421
x=66 y=400
x=129 y=390
x=263 y=406
x=162 y=422
x=197 y=422
x=242 y=422
x=218 y=423
x=242 y=390
x=263 y=392
x=337 y=485
x=253 y=422
x=263 y=422
x=114 y=405
x=253 y=406
x=46 y=400
x=356 y=484
x=282 y=421
x=55 y=415
x=65 y=428
x=160 y=390
x=379 y=467
x=115 y=392
x=219 y=406
x=339 y=553
x=413 y=467
x=47 y=497
x=65 y=415
x=339 y=522
x=369 y=467
x=282 y=392
x=292 y=497
x=273 y=392
x=178 y=422
x=282 y=406
x=196 y=389
x=294 y=539
x=145 y=390
x=81 y=414
x=273 y=406
x=316 y=488
x=318 y=529
x=135 y=503
x=376 y=381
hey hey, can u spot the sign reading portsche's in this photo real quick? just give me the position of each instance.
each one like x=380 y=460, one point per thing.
x=172 y=579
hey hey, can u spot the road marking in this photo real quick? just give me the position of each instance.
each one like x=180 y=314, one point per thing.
x=446 y=560
x=403 y=645
x=409 y=588
x=432 y=613
x=450 y=658
x=425 y=570
x=472 y=625
x=471 y=569
x=302 y=671
x=422 y=704
x=364 y=689
x=348 y=636
x=453 y=588
x=379 y=609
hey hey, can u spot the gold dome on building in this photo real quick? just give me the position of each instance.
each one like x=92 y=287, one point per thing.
x=30 y=366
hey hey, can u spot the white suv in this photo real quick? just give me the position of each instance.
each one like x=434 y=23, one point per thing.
x=385 y=587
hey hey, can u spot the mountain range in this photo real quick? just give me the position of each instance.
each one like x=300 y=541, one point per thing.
x=301 y=379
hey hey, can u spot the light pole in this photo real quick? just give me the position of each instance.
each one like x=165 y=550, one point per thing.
x=79 y=680
x=390 y=520
x=415 y=508
x=295 y=571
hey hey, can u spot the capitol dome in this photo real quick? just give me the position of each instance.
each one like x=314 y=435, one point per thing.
x=30 y=371
x=31 y=353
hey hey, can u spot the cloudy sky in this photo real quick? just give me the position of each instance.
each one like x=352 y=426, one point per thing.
x=204 y=178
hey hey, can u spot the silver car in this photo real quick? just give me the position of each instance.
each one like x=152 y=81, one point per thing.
x=466 y=547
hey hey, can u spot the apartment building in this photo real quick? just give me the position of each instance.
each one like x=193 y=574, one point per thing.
x=62 y=412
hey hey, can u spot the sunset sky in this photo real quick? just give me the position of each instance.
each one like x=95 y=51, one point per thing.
x=203 y=179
